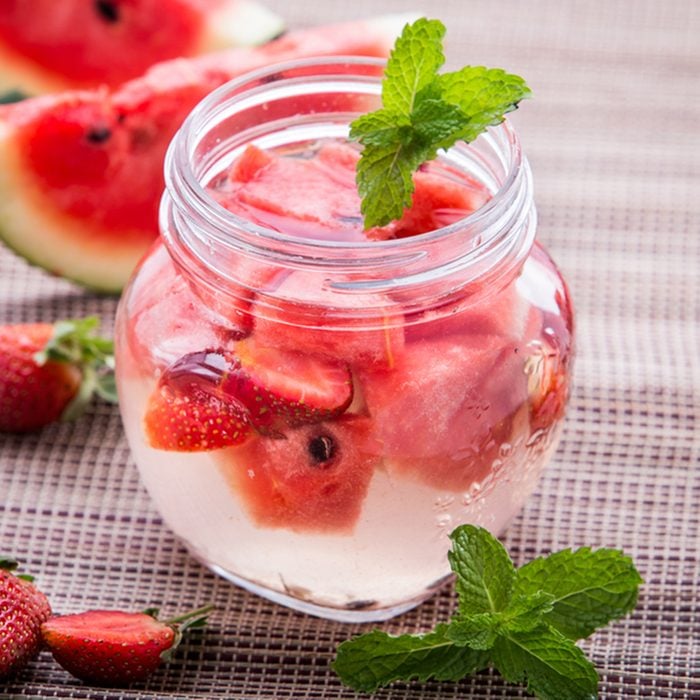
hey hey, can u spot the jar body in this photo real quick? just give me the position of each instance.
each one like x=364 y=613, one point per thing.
x=453 y=409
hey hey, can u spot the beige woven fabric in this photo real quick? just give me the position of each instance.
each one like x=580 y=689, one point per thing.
x=613 y=138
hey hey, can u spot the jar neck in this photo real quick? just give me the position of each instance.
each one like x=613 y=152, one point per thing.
x=317 y=99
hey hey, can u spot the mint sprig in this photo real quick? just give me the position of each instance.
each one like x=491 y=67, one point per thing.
x=423 y=112
x=522 y=622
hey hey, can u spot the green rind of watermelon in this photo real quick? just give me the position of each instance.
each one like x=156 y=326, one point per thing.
x=30 y=231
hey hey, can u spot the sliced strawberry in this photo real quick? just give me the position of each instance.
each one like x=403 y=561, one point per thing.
x=188 y=413
x=293 y=386
x=111 y=647
x=194 y=423
x=312 y=480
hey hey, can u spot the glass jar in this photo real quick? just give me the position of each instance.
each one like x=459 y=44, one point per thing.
x=447 y=355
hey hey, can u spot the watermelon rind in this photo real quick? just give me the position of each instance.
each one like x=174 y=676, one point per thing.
x=57 y=243
x=243 y=23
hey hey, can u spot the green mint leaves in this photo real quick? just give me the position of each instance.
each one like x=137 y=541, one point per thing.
x=523 y=622
x=423 y=112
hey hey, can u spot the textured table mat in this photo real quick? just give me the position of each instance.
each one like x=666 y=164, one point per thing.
x=613 y=138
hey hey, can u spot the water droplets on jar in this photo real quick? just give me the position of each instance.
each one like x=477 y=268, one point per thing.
x=444 y=502
x=444 y=521
x=473 y=494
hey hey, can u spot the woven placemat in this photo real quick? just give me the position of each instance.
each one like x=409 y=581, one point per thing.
x=613 y=138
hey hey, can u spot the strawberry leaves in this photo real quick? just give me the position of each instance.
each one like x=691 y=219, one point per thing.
x=522 y=622
x=423 y=112
x=75 y=343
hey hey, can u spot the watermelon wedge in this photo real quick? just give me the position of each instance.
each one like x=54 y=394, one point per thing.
x=81 y=172
x=47 y=46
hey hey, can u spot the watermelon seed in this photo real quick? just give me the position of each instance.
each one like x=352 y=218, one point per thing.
x=322 y=448
x=108 y=10
x=99 y=134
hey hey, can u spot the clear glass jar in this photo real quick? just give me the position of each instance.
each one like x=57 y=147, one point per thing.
x=456 y=346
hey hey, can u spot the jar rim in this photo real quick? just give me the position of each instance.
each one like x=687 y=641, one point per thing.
x=223 y=220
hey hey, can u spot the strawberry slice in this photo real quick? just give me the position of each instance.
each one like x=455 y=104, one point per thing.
x=292 y=386
x=188 y=413
x=209 y=399
x=111 y=647
x=194 y=423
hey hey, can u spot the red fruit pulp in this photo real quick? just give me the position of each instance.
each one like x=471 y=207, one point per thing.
x=23 y=608
x=96 y=156
x=286 y=387
x=100 y=41
x=108 y=646
x=168 y=320
x=32 y=395
x=439 y=413
x=273 y=191
x=314 y=479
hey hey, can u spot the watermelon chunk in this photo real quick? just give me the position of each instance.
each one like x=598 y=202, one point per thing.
x=307 y=317
x=81 y=172
x=273 y=191
x=442 y=412
x=167 y=320
x=504 y=312
x=47 y=46
x=313 y=480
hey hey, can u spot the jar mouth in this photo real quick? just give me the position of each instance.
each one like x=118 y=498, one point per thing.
x=476 y=241
x=185 y=142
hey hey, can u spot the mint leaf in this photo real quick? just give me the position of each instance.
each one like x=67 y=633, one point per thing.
x=480 y=631
x=434 y=122
x=380 y=128
x=590 y=588
x=422 y=113
x=525 y=612
x=484 y=95
x=505 y=619
x=412 y=64
x=384 y=181
x=375 y=659
x=552 y=665
x=485 y=572
x=475 y=631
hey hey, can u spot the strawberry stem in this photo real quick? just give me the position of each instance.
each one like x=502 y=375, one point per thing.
x=191 y=618
x=194 y=618
x=76 y=343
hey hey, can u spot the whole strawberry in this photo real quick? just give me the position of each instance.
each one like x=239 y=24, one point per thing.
x=110 y=647
x=49 y=372
x=23 y=608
